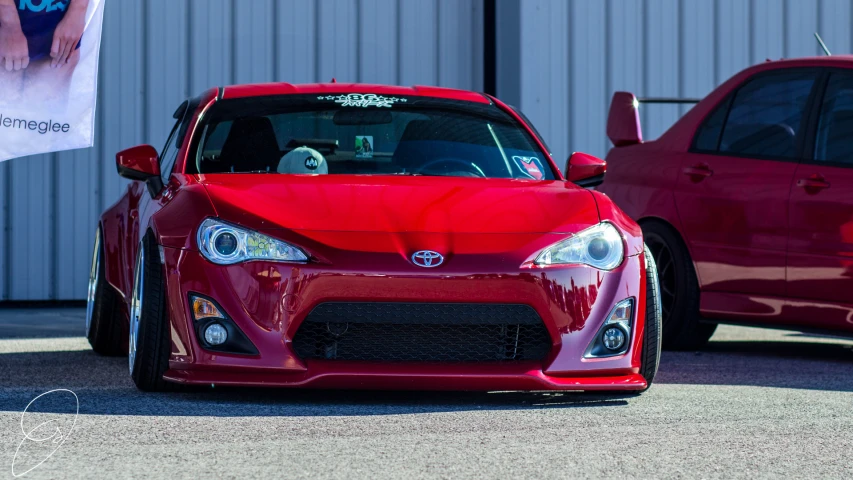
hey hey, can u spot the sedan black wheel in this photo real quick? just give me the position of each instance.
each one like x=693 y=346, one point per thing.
x=679 y=290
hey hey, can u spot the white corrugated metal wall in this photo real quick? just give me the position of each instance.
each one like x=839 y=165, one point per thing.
x=564 y=58
x=157 y=52
x=559 y=60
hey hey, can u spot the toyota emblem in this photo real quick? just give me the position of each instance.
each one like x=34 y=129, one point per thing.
x=427 y=258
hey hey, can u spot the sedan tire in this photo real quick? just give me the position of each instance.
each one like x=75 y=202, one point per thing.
x=679 y=289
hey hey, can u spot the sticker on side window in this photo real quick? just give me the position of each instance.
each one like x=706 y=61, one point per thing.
x=362 y=100
x=364 y=146
x=529 y=165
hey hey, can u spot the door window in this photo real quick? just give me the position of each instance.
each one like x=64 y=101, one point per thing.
x=708 y=137
x=835 y=127
x=766 y=115
x=169 y=154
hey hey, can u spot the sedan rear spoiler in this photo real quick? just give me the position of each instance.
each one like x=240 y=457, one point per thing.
x=623 y=121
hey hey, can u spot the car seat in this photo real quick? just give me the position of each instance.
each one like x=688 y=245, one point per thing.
x=251 y=146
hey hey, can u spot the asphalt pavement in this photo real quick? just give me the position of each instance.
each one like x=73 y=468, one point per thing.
x=755 y=403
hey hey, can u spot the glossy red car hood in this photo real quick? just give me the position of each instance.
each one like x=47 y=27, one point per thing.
x=381 y=203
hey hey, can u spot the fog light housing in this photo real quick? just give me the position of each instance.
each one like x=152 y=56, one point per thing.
x=215 y=334
x=613 y=339
x=215 y=330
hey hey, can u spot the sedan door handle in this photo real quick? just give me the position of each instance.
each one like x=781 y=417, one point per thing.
x=699 y=172
x=813 y=184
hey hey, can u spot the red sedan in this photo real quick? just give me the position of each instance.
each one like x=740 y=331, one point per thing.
x=747 y=201
x=353 y=236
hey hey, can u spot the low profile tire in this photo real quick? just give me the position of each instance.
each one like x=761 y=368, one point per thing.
x=103 y=329
x=679 y=290
x=148 y=345
x=650 y=354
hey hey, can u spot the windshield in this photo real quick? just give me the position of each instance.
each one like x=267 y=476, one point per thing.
x=366 y=135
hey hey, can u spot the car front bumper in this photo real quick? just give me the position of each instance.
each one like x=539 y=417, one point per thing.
x=269 y=301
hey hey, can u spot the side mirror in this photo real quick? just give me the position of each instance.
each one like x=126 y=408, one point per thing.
x=140 y=163
x=623 y=121
x=585 y=170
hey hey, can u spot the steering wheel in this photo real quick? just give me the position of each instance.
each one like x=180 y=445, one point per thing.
x=469 y=169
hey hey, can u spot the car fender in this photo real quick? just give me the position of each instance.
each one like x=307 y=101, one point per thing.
x=608 y=211
x=119 y=226
x=176 y=220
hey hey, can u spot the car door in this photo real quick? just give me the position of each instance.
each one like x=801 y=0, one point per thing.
x=820 y=248
x=732 y=191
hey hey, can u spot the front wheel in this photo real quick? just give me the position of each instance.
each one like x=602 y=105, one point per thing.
x=650 y=354
x=148 y=344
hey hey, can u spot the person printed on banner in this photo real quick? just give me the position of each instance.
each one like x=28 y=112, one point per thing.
x=39 y=50
x=363 y=147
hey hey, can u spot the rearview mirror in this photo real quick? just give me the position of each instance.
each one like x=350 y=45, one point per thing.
x=140 y=163
x=584 y=170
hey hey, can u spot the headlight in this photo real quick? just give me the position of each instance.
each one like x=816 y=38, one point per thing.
x=599 y=246
x=226 y=244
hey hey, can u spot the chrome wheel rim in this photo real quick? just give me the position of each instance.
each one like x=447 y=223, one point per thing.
x=93 y=281
x=136 y=308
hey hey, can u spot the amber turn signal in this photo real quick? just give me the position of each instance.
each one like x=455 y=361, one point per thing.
x=204 y=308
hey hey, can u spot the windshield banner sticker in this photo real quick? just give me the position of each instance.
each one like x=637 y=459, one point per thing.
x=362 y=100
x=530 y=165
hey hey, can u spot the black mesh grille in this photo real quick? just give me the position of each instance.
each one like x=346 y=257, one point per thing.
x=422 y=332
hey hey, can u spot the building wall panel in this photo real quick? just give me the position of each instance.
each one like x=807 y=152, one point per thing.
x=544 y=77
x=30 y=242
x=834 y=17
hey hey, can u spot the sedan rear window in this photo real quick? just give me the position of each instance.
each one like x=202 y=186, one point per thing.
x=366 y=135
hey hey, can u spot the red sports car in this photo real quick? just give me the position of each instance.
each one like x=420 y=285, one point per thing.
x=746 y=202
x=354 y=236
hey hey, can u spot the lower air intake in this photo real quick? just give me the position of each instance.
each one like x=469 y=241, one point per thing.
x=422 y=332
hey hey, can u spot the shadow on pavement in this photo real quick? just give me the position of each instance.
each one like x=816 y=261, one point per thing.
x=104 y=387
x=782 y=364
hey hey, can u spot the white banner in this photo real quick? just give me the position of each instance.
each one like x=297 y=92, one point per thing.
x=48 y=74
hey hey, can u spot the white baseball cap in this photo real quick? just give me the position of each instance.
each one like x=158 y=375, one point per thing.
x=303 y=160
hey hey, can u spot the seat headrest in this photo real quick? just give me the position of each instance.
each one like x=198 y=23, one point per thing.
x=251 y=145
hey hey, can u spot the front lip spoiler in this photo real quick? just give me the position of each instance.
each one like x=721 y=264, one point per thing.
x=396 y=377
